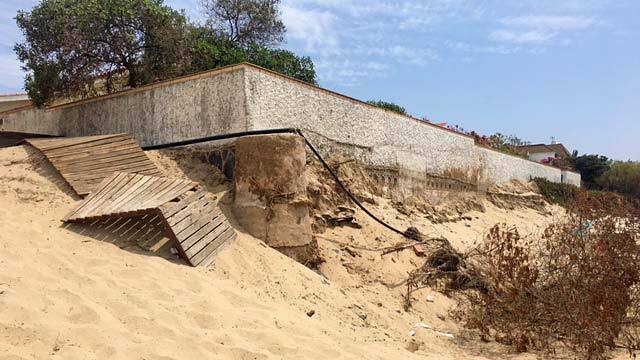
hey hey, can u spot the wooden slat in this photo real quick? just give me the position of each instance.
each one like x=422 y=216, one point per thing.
x=85 y=161
x=186 y=217
x=97 y=147
x=216 y=245
x=190 y=241
x=57 y=143
x=185 y=228
x=102 y=173
x=96 y=196
x=107 y=194
x=102 y=156
x=211 y=247
x=169 y=212
x=137 y=185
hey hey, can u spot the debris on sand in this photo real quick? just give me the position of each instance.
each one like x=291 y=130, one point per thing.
x=341 y=216
x=445 y=263
x=413 y=233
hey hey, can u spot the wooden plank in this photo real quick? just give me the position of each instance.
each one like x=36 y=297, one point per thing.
x=98 y=147
x=195 y=221
x=189 y=214
x=91 y=197
x=102 y=160
x=57 y=143
x=168 y=213
x=190 y=237
x=216 y=247
x=81 y=158
x=176 y=193
x=150 y=187
x=113 y=190
x=98 y=164
x=183 y=217
x=178 y=187
x=212 y=246
x=101 y=173
x=136 y=185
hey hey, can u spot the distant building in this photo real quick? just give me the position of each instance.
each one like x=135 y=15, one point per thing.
x=13 y=101
x=539 y=152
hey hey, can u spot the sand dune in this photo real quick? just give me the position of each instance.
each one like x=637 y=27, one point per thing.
x=65 y=294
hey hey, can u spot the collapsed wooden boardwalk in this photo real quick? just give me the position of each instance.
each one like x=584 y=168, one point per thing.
x=190 y=218
x=122 y=182
x=85 y=161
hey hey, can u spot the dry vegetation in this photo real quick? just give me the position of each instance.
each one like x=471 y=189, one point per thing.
x=575 y=285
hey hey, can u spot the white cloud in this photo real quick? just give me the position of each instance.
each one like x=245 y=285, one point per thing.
x=550 y=22
x=347 y=72
x=541 y=29
x=522 y=37
x=315 y=29
x=490 y=49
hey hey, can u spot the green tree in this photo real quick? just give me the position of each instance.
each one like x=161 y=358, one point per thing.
x=210 y=50
x=590 y=168
x=389 y=106
x=246 y=22
x=622 y=177
x=284 y=62
x=73 y=46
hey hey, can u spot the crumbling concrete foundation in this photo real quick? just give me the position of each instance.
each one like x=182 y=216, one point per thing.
x=270 y=200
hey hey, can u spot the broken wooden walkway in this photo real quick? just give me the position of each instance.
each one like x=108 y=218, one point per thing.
x=85 y=161
x=190 y=218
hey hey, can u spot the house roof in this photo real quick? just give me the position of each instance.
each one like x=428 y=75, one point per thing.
x=14 y=96
x=539 y=148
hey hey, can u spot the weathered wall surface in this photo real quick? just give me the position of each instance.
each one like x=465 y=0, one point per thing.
x=374 y=136
x=379 y=137
x=33 y=121
x=200 y=106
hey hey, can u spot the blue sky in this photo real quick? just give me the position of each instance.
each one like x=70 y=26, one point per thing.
x=534 y=68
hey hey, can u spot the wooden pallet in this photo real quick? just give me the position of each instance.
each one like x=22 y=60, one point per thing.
x=84 y=162
x=191 y=219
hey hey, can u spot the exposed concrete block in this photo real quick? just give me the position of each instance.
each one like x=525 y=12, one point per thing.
x=270 y=200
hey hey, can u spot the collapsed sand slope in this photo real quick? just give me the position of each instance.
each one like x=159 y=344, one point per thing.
x=68 y=295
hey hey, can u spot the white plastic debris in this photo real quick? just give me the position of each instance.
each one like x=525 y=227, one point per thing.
x=174 y=251
x=430 y=298
x=423 y=325
x=447 y=334
x=412 y=333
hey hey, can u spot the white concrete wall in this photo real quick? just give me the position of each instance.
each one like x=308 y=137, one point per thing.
x=375 y=136
x=177 y=110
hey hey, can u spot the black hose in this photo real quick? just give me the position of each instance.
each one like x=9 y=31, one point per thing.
x=220 y=137
x=282 y=131
x=346 y=191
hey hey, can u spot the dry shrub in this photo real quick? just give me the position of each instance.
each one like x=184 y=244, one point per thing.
x=575 y=284
x=445 y=267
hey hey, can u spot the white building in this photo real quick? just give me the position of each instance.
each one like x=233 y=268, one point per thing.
x=539 y=152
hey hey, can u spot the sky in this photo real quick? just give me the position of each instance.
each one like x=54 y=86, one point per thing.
x=537 y=69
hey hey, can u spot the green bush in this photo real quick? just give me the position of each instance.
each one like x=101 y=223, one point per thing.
x=556 y=193
x=623 y=178
x=389 y=106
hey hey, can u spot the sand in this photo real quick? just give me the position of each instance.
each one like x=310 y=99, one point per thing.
x=69 y=295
